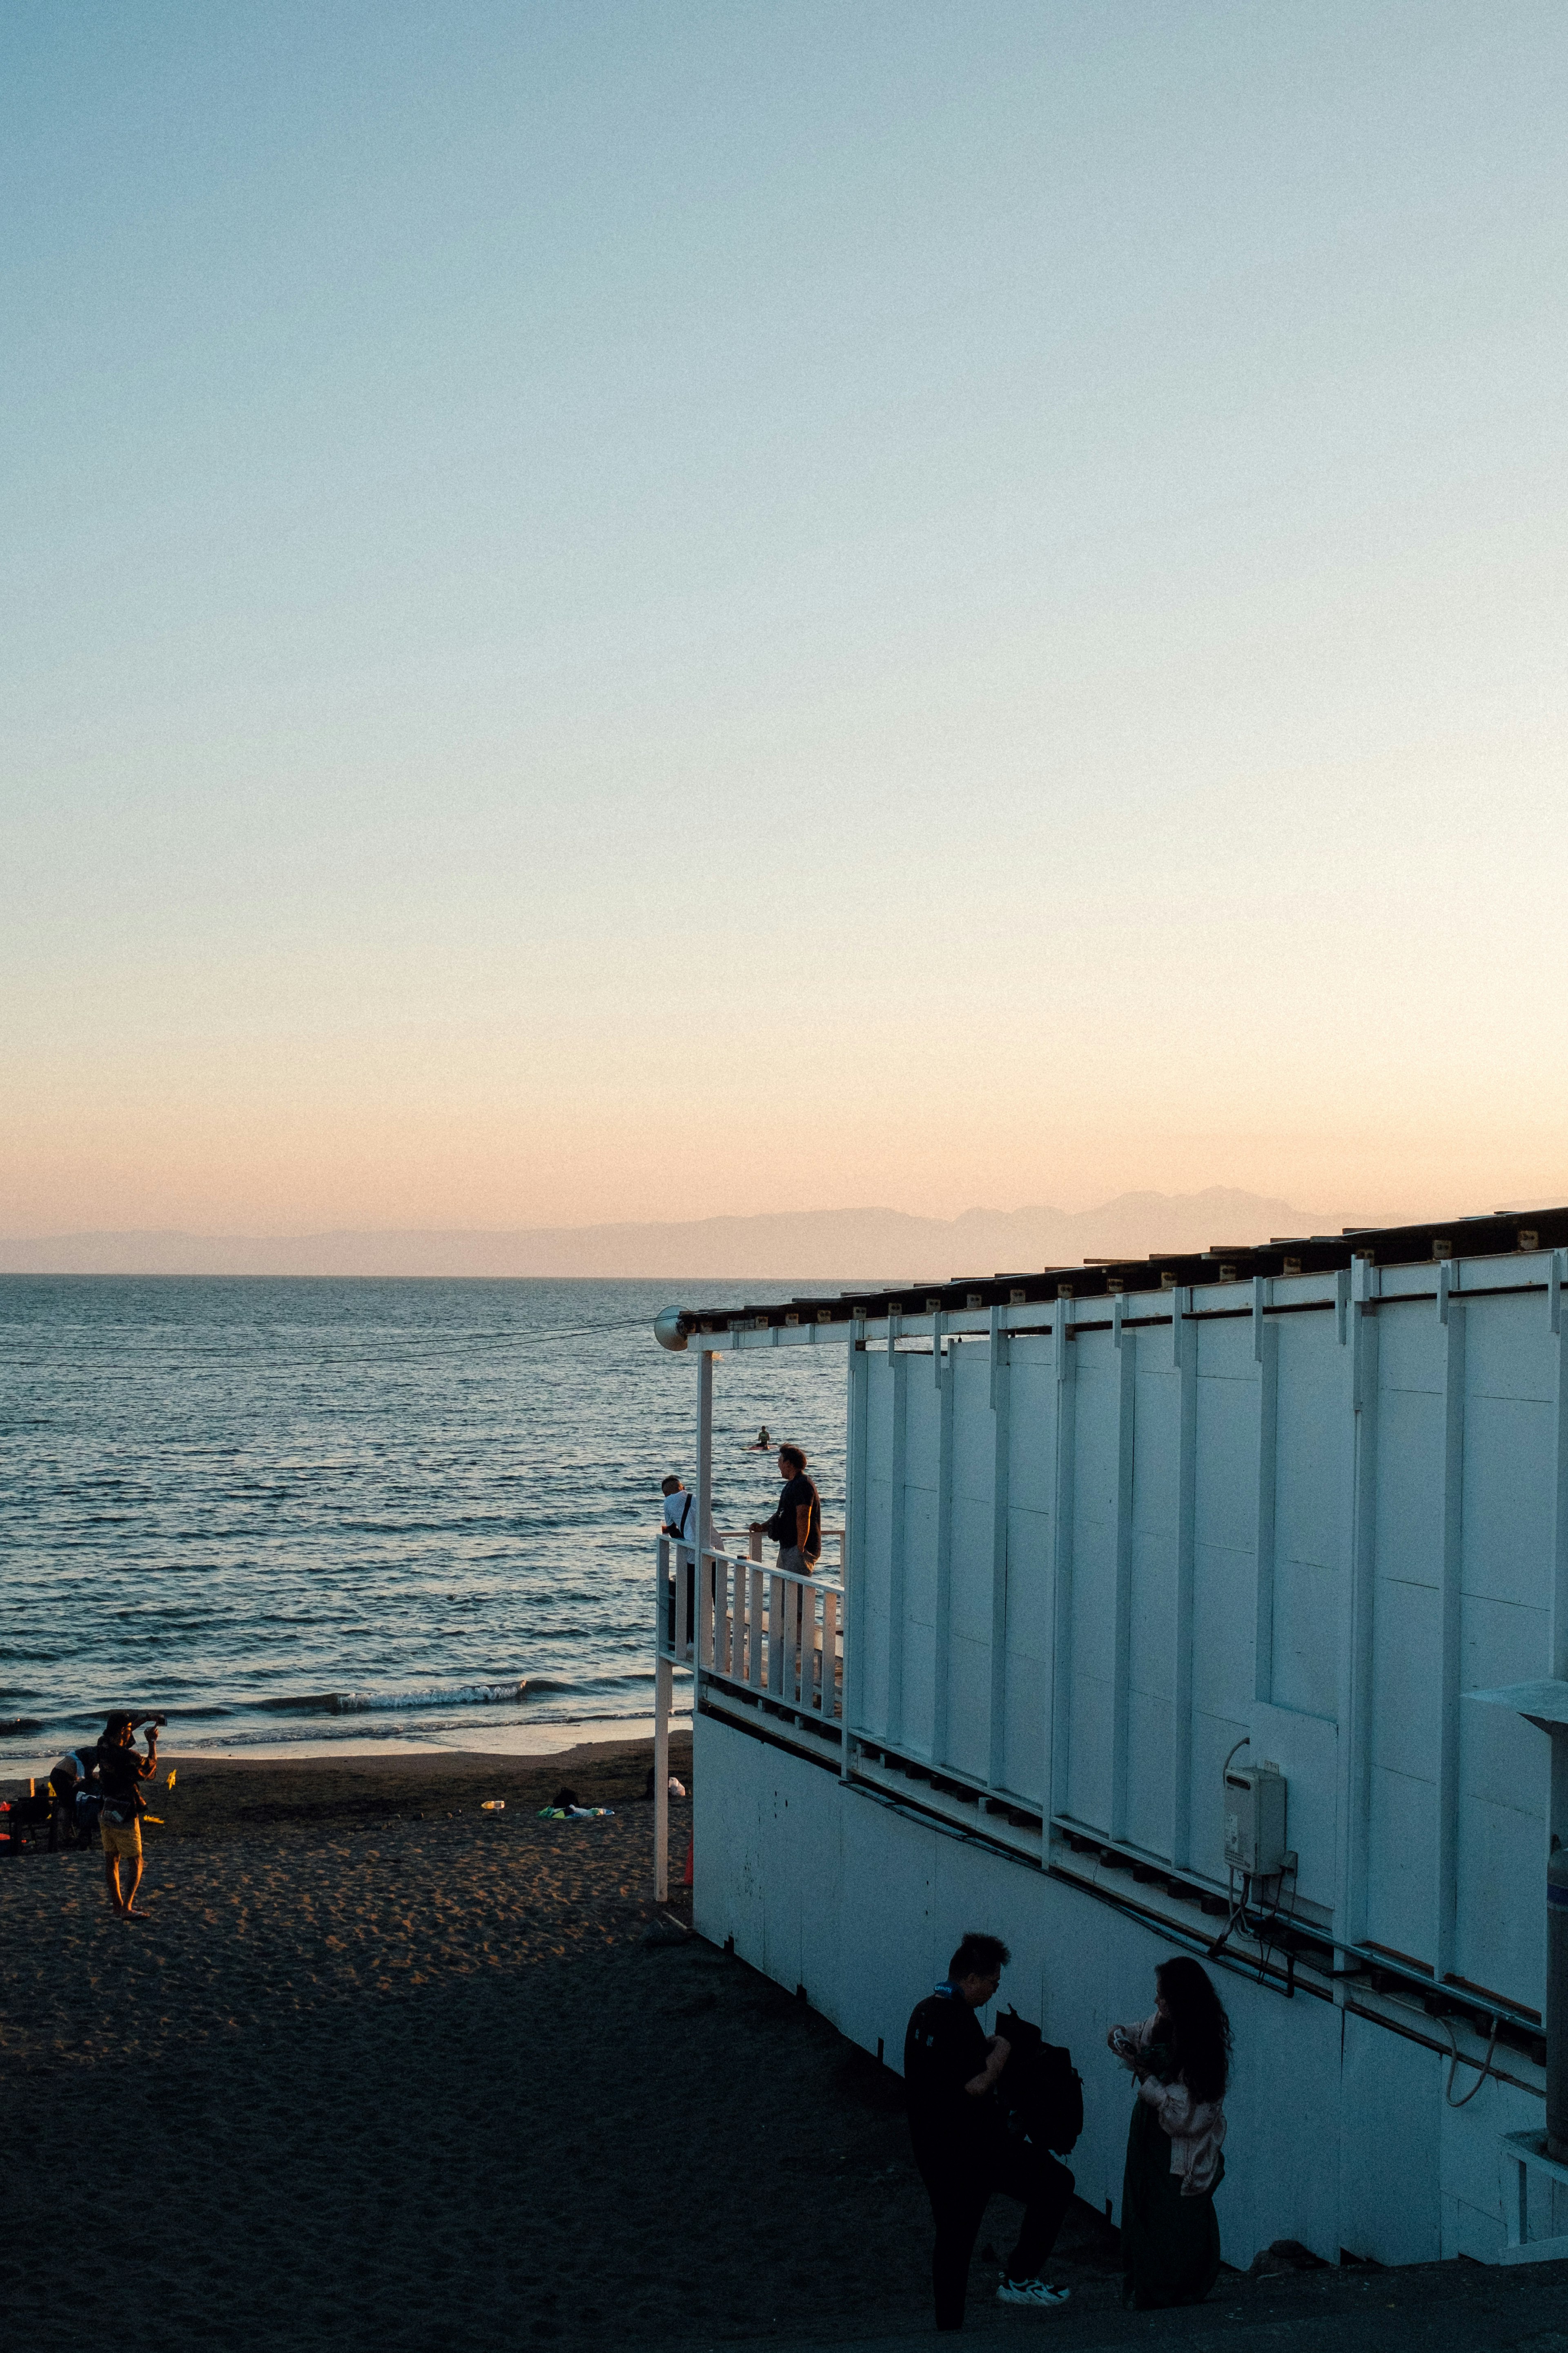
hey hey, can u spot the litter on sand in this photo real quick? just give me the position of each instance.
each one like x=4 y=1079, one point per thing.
x=492 y=1805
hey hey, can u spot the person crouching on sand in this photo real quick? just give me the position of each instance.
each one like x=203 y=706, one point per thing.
x=121 y=1771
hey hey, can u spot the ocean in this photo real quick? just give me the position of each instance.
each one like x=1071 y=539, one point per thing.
x=295 y=1512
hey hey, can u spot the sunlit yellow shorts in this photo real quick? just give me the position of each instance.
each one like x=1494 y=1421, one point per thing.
x=123 y=1838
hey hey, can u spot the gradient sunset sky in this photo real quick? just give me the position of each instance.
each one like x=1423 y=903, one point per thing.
x=651 y=610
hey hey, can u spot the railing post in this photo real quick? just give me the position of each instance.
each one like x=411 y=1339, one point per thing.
x=754 y=1628
x=756 y=1674
x=707 y=1610
x=663 y=1678
x=705 y=1363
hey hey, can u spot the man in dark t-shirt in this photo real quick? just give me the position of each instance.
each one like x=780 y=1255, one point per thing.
x=961 y=2142
x=797 y=1526
x=122 y=1772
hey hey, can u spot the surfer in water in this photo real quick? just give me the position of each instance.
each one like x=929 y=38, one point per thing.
x=762 y=1443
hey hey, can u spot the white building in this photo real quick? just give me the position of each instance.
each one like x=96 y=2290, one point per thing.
x=1103 y=1525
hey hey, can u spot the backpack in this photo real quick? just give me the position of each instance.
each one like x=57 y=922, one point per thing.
x=1040 y=2089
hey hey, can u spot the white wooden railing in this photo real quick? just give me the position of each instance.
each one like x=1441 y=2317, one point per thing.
x=766 y=1631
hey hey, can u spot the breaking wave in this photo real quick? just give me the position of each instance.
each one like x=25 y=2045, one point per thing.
x=370 y=1702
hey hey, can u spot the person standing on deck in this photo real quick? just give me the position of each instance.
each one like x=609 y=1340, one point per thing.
x=681 y=1527
x=962 y=2143
x=679 y=1512
x=797 y=1526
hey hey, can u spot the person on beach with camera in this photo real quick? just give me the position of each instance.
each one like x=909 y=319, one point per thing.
x=121 y=1773
x=962 y=2143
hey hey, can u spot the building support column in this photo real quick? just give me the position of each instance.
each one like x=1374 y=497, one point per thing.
x=663 y=1690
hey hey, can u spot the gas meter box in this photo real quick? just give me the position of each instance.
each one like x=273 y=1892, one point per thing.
x=1255 y=1819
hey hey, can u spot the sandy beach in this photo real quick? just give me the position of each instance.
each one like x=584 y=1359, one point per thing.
x=383 y=2070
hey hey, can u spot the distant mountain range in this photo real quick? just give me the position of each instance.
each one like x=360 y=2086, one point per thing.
x=844 y=1245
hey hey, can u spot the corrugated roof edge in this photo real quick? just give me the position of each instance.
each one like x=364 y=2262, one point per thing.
x=1502 y=1235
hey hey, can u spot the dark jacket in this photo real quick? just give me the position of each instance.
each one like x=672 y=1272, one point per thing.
x=799 y=1494
x=945 y=2047
x=122 y=1772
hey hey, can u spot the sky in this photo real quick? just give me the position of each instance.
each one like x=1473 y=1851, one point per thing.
x=613 y=611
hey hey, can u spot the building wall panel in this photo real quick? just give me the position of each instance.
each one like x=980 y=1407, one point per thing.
x=1156 y=1491
x=1301 y=1670
x=1402 y=1868
x=1028 y=1668
x=889 y=1935
x=1150 y=1733
x=968 y=1745
x=972 y=1535
x=922 y=1419
x=1387 y=2076
x=1510 y=1348
x=1508 y=1500
x=1031 y=1460
x=1502 y=1939
x=876 y=1631
x=974 y=1424
x=919 y=1689
x=1224 y=1582
x=1407 y=1678
x=1092 y=1594
x=1227 y=1439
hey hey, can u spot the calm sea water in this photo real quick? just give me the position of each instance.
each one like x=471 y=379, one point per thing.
x=307 y=1510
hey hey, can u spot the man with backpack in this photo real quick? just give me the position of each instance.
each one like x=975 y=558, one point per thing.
x=967 y=2146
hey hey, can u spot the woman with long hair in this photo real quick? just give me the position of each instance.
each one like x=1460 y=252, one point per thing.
x=1180 y=2056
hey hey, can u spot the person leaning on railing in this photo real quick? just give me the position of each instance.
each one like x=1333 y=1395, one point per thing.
x=797 y=1525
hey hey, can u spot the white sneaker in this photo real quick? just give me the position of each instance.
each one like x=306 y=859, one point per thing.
x=1037 y=2293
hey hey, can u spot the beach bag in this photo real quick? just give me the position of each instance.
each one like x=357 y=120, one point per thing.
x=1041 y=2089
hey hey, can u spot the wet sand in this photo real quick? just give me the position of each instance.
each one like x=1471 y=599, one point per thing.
x=384 y=2070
